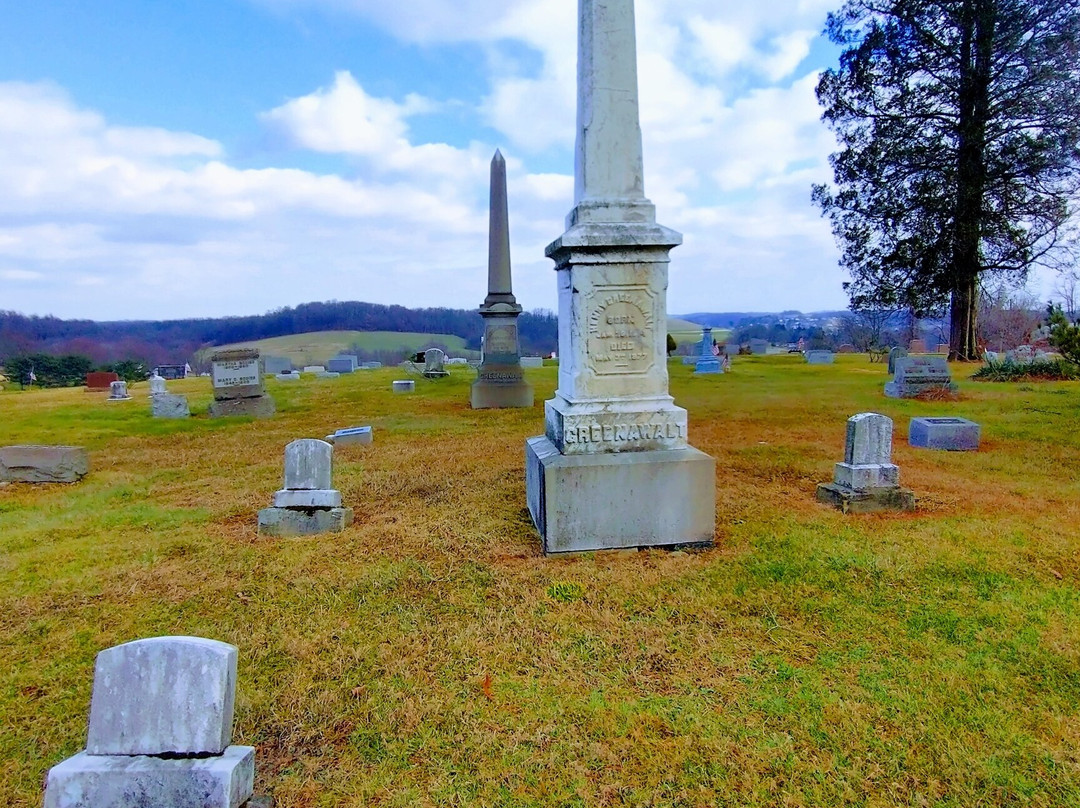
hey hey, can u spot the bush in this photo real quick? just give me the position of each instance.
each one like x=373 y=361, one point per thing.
x=1064 y=336
x=1006 y=370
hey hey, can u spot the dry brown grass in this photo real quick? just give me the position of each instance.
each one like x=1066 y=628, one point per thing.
x=419 y=659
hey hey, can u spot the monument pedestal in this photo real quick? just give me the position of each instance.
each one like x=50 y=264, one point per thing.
x=501 y=387
x=581 y=503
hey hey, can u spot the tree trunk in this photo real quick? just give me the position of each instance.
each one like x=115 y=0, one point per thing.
x=963 y=323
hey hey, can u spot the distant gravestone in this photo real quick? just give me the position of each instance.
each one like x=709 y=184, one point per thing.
x=354 y=436
x=372 y=365
x=820 y=357
x=434 y=364
x=759 y=347
x=894 y=354
x=917 y=346
x=159 y=732
x=404 y=386
x=43 y=464
x=118 y=391
x=100 y=382
x=846 y=348
x=730 y=349
x=291 y=376
x=532 y=362
x=917 y=375
x=238 y=387
x=342 y=364
x=314 y=369
x=273 y=365
x=867 y=480
x=945 y=434
x=169 y=405
x=943 y=348
x=172 y=372
x=157 y=385
x=308 y=504
x=705 y=361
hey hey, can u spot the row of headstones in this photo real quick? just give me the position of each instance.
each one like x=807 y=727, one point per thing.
x=159 y=731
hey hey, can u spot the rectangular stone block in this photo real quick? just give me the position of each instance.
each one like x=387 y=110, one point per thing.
x=820 y=357
x=617 y=501
x=341 y=364
x=869 y=439
x=307 y=499
x=874 y=500
x=236 y=374
x=532 y=362
x=404 y=386
x=357 y=436
x=99 y=382
x=163 y=696
x=866 y=477
x=946 y=434
x=289 y=522
x=260 y=407
x=43 y=464
x=87 y=781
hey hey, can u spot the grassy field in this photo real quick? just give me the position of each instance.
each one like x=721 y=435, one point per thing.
x=430 y=656
x=317 y=347
x=685 y=331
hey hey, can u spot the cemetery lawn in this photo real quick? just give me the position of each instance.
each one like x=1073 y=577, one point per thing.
x=430 y=656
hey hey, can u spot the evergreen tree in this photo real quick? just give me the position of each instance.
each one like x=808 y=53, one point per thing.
x=959 y=127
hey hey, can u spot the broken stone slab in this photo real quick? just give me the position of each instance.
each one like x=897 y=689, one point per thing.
x=43 y=464
x=163 y=696
x=354 y=436
x=169 y=405
x=303 y=522
x=89 y=781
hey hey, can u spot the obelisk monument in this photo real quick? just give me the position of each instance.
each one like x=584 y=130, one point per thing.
x=501 y=383
x=614 y=468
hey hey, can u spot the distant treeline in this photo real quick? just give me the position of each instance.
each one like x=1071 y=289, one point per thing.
x=177 y=341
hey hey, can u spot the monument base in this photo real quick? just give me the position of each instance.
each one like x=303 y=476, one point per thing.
x=224 y=781
x=874 y=500
x=284 y=522
x=582 y=503
x=487 y=396
x=260 y=407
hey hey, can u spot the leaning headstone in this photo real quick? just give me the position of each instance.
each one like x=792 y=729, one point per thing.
x=867 y=480
x=404 y=386
x=159 y=732
x=820 y=357
x=238 y=386
x=118 y=392
x=894 y=354
x=500 y=383
x=308 y=504
x=169 y=405
x=435 y=364
x=946 y=434
x=354 y=436
x=614 y=468
x=706 y=362
x=919 y=375
x=43 y=464
x=100 y=382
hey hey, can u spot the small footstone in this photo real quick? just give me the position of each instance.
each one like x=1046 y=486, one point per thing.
x=945 y=434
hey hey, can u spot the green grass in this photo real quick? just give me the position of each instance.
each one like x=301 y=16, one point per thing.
x=685 y=331
x=319 y=346
x=430 y=656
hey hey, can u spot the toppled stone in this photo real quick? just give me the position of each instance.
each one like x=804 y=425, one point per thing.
x=166 y=695
x=354 y=436
x=43 y=464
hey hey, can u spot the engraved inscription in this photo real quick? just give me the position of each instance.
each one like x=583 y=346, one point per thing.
x=622 y=433
x=236 y=374
x=502 y=339
x=621 y=333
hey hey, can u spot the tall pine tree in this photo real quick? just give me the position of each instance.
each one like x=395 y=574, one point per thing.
x=959 y=127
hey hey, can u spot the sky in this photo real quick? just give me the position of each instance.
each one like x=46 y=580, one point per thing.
x=229 y=157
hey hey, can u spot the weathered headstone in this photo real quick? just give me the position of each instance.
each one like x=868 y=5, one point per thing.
x=159 y=732
x=157 y=385
x=706 y=362
x=342 y=364
x=894 y=354
x=43 y=464
x=404 y=386
x=946 y=434
x=917 y=346
x=118 y=391
x=614 y=469
x=759 y=347
x=172 y=372
x=353 y=436
x=169 y=405
x=820 y=357
x=916 y=375
x=308 y=504
x=435 y=364
x=238 y=386
x=100 y=382
x=867 y=480
x=532 y=362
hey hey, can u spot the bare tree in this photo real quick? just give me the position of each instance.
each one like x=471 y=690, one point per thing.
x=1007 y=316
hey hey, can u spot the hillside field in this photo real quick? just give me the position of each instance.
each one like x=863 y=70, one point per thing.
x=430 y=656
x=317 y=347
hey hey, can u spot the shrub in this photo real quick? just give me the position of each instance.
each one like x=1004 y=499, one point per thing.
x=1006 y=370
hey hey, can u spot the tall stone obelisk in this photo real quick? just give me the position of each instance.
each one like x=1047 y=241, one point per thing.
x=501 y=383
x=614 y=469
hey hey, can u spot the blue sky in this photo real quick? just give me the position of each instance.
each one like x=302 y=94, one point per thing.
x=218 y=157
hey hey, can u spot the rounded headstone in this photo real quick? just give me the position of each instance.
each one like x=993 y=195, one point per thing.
x=309 y=465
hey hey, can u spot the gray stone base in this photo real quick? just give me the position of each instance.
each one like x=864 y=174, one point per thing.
x=303 y=522
x=169 y=405
x=582 y=503
x=872 y=501
x=945 y=434
x=90 y=781
x=488 y=396
x=43 y=464
x=260 y=407
x=708 y=366
x=909 y=390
